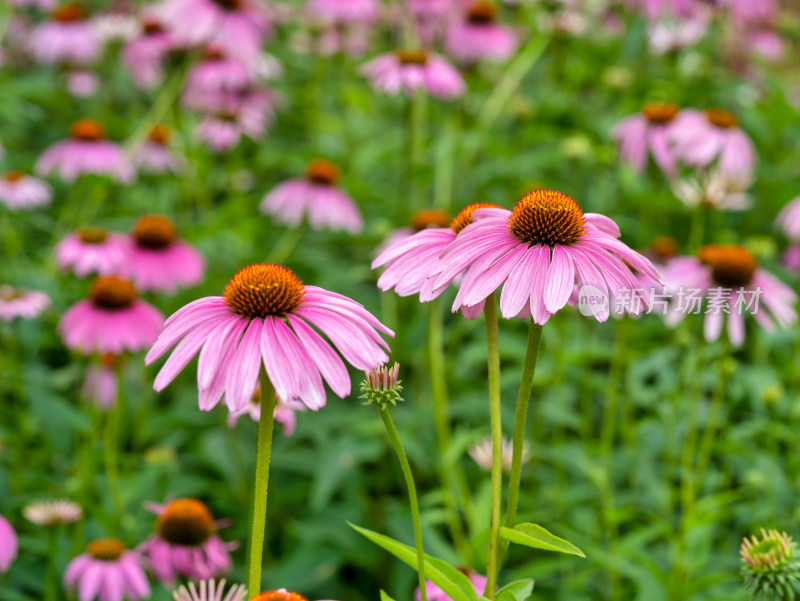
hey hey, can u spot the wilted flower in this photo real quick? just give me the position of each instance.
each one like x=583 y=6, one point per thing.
x=53 y=513
x=107 y=572
x=771 y=566
x=381 y=386
x=91 y=250
x=8 y=544
x=719 y=190
x=210 y=590
x=481 y=453
x=16 y=302
x=410 y=70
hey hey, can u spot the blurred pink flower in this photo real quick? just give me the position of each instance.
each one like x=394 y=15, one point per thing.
x=16 y=302
x=67 y=37
x=8 y=544
x=421 y=220
x=263 y=319
x=112 y=320
x=21 y=191
x=82 y=84
x=40 y=4
x=648 y=133
x=154 y=155
x=157 y=260
x=766 y=42
x=434 y=593
x=186 y=543
x=670 y=34
x=86 y=151
x=144 y=54
x=717 y=190
x=215 y=74
x=701 y=137
x=790 y=258
x=343 y=11
x=107 y=572
x=788 y=220
x=91 y=250
x=478 y=36
x=409 y=70
x=100 y=386
x=284 y=413
x=315 y=197
x=752 y=11
x=728 y=277
x=653 y=9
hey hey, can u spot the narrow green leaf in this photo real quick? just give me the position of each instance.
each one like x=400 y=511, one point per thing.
x=519 y=590
x=533 y=535
x=385 y=597
x=455 y=584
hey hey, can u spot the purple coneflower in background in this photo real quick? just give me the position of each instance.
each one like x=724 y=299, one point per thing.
x=434 y=593
x=16 y=302
x=648 y=133
x=343 y=11
x=53 y=512
x=223 y=130
x=112 y=320
x=107 y=572
x=91 y=250
x=752 y=11
x=265 y=317
x=100 y=383
x=155 y=154
x=654 y=9
x=539 y=252
x=421 y=220
x=144 y=54
x=67 y=37
x=478 y=36
x=315 y=197
x=186 y=543
x=788 y=221
x=21 y=191
x=158 y=260
x=216 y=73
x=86 y=151
x=409 y=70
x=284 y=412
x=81 y=83
x=8 y=544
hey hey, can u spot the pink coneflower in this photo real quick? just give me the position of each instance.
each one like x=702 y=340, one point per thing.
x=223 y=131
x=718 y=190
x=237 y=26
x=155 y=154
x=16 y=302
x=701 y=137
x=654 y=9
x=53 y=513
x=765 y=41
x=648 y=133
x=265 y=316
x=421 y=220
x=210 y=590
x=478 y=35
x=540 y=251
x=668 y=35
x=343 y=11
x=20 y=191
x=315 y=197
x=81 y=83
x=186 y=543
x=145 y=53
x=158 y=260
x=790 y=258
x=112 y=320
x=66 y=38
x=411 y=261
x=91 y=250
x=284 y=412
x=728 y=277
x=119 y=22
x=752 y=11
x=215 y=74
x=100 y=384
x=409 y=70
x=85 y=151
x=434 y=593
x=107 y=572
x=788 y=220
x=8 y=544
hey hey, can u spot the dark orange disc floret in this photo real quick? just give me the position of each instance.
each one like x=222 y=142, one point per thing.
x=67 y=13
x=482 y=13
x=87 y=129
x=229 y=4
x=722 y=118
x=105 y=549
x=155 y=232
x=660 y=112
x=464 y=217
x=429 y=218
x=159 y=134
x=547 y=217
x=13 y=176
x=732 y=266
x=263 y=290
x=186 y=522
x=111 y=292
x=407 y=56
x=280 y=595
x=151 y=26
x=322 y=171
x=92 y=235
x=664 y=247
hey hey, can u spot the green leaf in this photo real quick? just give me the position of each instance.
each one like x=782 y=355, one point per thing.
x=533 y=535
x=519 y=590
x=454 y=583
x=385 y=597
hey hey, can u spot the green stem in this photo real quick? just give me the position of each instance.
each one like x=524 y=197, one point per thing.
x=442 y=421
x=412 y=496
x=265 y=425
x=51 y=575
x=698 y=226
x=285 y=245
x=520 y=423
x=111 y=459
x=493 y=356
x=710 y=434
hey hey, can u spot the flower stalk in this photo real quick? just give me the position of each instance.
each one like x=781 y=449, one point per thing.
x=493 y=354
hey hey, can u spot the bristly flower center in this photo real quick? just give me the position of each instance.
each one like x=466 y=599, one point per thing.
x=92 y=235
x=426 y=218
x=154 y=232
x=69 y=13
x=9 y=293
x=111 y=292
x=263 y=290
x=324 y=172
x=106 y=549
x=229 y=4
x=13 y=176
x=87 y=129
x=659 y=113
x=279 y=595
x=732 y=266
x=159 y=134
x=547 y=217
x=151 y=26
x=722 y=118
x=482 y=13
x=186 y=522
x=772 y=551
x=407 y=56
x=464 y=217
